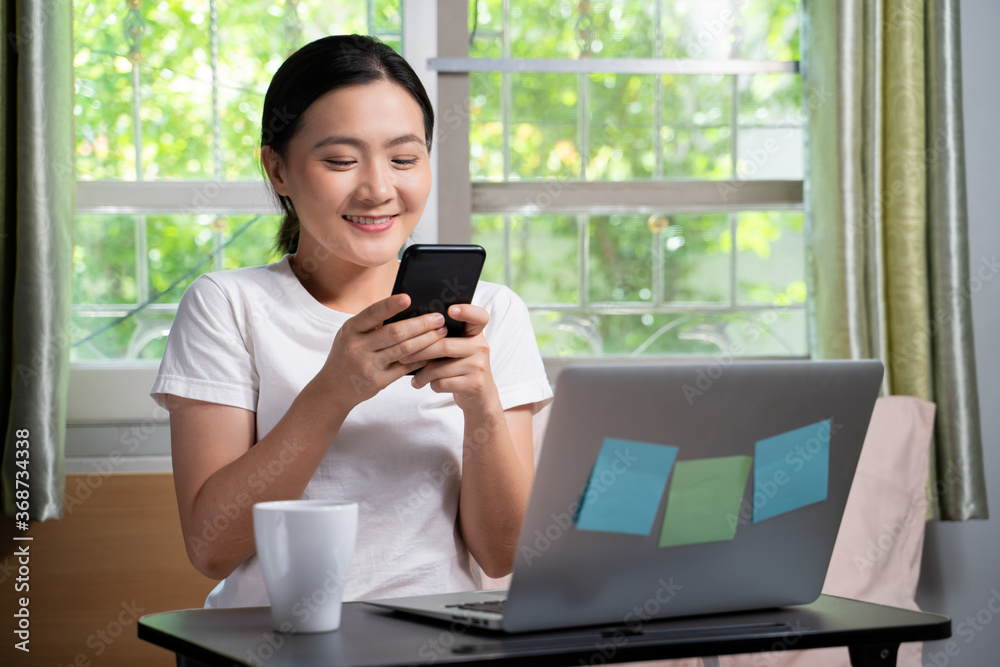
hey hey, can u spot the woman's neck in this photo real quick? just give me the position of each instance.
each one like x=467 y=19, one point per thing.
x=346 y=289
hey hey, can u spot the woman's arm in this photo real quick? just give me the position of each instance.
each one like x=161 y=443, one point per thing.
x=498 y=454
x=497 y=473
x=219 y=473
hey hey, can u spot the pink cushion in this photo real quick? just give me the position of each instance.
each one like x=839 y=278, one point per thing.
x=880 y=542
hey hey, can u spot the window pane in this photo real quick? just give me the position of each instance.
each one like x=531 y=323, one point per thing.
x=103 y=85
x=771 y=141
x=486 y=29
x=621 y=259
x=170 y=43
x=696 y=131
x=139 y=336
x=593 y=334
x=179 y=248
x=486 y=130
x=567 y=29
x=766 y=153
x=104 y=259
x=176 y=66
x=770 y=100
x=770 y=258
x=541 y=254
x=751 y=29
x=622 y=137
x=254 y=39
x=697 y=264
x=657 y=284
x=253 y=244
x=543 y=133
x=388 y=20
x=490 y=232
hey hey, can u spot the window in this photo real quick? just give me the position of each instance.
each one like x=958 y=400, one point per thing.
x=638 y=182
x=637 y=169
x=168 y=105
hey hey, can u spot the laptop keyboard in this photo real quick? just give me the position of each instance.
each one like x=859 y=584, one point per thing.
x=491 y=606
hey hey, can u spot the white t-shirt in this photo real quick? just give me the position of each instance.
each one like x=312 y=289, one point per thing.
x=254 y=337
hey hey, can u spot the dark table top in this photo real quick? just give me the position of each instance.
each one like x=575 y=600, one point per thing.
x=374 y=637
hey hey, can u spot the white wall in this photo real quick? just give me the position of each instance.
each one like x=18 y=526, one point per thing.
x=961 y=568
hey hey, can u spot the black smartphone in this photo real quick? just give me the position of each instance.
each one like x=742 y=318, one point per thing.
x=436 y=276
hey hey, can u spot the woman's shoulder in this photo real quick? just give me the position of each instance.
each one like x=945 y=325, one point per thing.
x=494 y=296
x=244 y=283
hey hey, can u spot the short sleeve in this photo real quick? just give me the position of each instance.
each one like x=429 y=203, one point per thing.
x=514 y=357
x=207 y=357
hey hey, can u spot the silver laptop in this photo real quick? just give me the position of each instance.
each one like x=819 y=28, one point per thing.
x=681 y=489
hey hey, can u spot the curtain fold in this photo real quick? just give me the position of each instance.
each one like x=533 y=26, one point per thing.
x=886 y=216
x=38 y=175
x=959 y=456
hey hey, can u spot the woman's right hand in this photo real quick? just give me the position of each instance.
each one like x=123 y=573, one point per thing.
x=365 y=356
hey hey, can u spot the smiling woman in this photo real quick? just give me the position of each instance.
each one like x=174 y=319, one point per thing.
x=358 y=155
x=282 y=381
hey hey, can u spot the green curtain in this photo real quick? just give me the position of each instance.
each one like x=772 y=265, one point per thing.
x=886 y=216
x=38 y=175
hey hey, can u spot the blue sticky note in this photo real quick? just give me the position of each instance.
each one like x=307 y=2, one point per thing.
x=625 y=487
x=791 y=470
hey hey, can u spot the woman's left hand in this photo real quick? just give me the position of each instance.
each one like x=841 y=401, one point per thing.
x=461 y=366
x=497 y=455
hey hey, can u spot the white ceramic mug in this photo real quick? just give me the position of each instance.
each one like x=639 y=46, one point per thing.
x=305 y=549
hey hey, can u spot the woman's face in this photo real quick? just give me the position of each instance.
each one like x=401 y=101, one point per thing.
x=357 y=172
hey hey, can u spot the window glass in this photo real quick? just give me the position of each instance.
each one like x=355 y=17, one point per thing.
x=117 y=309
x=167 y=91
x=154 y=62
x=747 y=29
x=634 y=284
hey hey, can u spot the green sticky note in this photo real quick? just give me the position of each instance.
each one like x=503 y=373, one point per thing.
x=704 y=496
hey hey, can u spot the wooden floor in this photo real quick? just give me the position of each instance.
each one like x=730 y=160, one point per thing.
x=116 y=555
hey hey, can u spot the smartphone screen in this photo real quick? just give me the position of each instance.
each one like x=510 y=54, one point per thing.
x=436 y=276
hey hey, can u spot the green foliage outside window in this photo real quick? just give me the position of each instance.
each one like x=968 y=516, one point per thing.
x=522 y=127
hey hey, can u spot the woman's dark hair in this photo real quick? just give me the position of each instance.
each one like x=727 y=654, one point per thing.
x=316 y=69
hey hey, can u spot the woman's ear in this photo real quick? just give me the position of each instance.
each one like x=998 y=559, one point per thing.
x=275 y=169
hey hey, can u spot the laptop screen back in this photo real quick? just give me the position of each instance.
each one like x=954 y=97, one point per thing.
x=668 y=490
